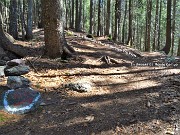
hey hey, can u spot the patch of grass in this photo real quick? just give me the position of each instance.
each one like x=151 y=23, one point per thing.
x=2 y=118
x=38 y=86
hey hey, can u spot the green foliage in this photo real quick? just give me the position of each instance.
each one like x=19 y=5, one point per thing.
x=69 y=33
x=109 y=37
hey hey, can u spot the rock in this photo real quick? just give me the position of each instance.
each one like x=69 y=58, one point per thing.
x=15 y=62
x=21 y=101
x=15 y=82
x=89 y=118
x=2 y=71
x=16 y=70
x=79 y=87
x=2 y=63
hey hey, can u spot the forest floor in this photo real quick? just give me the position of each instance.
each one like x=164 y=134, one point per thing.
x=130 y=95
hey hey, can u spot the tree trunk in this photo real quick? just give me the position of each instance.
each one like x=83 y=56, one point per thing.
x=22 y=19
x=41 y=16
x=178 y=52
x=155 y=26
x=72 y=14
x=6 y=43
x=78 y=15
x=91 y=17
x=108 y=15
x=55 y=43
x=167 y=47
x=124 y=22
x=173 y=26
x=159 y=28
x=13 y=16
x=99 y=19
x=116 y=21
x=148 y=27
x=29 y=34
x=130 y=24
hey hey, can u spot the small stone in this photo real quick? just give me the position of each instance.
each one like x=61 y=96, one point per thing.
x=2 y=63
x=17 y=70
x=28 y=133
x=79 y=87
x=89 y=118
x=43 y=104
x=2 y=71
x=15 y=82
x=148 y=104
x=175 y=100
x=170 y=131
x=16 y=62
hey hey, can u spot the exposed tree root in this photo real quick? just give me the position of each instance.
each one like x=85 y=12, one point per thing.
x=108 y=60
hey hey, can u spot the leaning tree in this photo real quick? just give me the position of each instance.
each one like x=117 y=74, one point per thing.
x=55 y=42
x=7 y=43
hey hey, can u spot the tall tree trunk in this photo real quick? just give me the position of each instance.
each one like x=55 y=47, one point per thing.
x=13 y=29
x=108 y=15
x=29 y=34
x=124 y=22
x=72 y=14
x=148 y=26
x=116 y=21
x=35 y=13
x=67 y=13
x=22 y=19
x=130 y=24
x=91 y=17
x=178 y=52
x=155 y=26
x=167 y=47
x=41 y=16
x=78 y=15
x=173 y=26
x=99 y=19
x=2 y=37
x=55 y=42
x=159 y=26
x=53 y=28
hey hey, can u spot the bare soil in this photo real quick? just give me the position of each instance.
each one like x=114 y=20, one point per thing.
x=130 y=96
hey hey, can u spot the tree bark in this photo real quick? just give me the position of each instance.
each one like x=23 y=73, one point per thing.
x=108 y=15
x=13 y=16
x=130 y=24
x=99 y=19
x=55 y=43
x=159 y=26
x=148 y=27
x=72 y=15
x=29 y=34
x=173 y=26
x=155 y=26
x=167 y=47
x=124 y=22
x=91 y=17
x=178 y=52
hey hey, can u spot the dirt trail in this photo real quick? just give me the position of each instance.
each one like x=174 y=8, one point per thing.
x=128 y=97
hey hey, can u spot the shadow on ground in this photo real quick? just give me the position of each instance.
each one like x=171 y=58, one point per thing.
x=96 y=114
